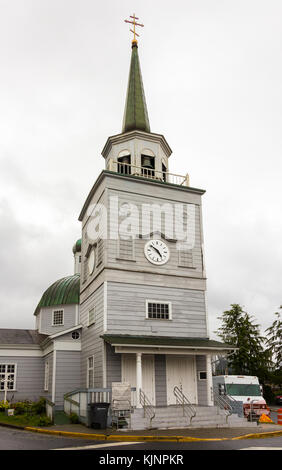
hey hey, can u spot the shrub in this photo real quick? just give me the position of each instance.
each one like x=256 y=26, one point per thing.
x=4 y=405
x=74 y=419
x=44 y=421
x=21 y=407
x=39 y=407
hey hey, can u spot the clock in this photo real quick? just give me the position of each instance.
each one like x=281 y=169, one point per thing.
x=91 y=261
x=157 y=252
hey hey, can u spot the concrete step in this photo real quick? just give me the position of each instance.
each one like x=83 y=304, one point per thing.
x=172 y=418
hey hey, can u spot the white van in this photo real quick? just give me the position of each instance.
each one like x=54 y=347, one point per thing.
x=244 y=388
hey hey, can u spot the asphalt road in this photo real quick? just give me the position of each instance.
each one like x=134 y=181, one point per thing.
x=11 y=439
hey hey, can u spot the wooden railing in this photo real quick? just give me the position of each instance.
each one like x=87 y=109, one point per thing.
x=149 y=173
x=78 y=400
x=50 y=409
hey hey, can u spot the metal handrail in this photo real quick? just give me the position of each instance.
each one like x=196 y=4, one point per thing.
x=189 y=410
x=149 y=409
x=128 y=169
x=223 y=402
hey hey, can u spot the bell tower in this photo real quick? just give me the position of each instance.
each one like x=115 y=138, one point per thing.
x=137 y=151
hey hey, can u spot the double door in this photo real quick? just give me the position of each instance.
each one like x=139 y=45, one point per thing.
x=148 y=375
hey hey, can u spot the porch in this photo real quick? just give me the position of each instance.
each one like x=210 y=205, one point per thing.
x=156 y=365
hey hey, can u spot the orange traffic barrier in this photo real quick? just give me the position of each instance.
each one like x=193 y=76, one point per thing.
x=279 y=416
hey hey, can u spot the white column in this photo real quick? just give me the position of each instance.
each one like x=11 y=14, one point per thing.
x=209 y=380
x=138 y=378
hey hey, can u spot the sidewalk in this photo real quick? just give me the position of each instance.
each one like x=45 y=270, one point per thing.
x=80 y=431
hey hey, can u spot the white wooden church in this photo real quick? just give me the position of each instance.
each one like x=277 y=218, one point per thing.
x=134 y=311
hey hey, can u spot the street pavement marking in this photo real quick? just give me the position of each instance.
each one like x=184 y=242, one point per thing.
x=98 y=446
x=262 y=448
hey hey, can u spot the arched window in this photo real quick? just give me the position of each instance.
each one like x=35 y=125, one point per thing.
x=124 y=162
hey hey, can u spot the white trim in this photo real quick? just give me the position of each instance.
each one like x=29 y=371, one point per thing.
x=64 y=332
x=77 y=314
x=54 y=376
x=162 y=350
x=164 y=346
x=14 y=389
x=20 y=352
x=67 y=345
x=88 y=369
x=40 y=321
x=202 y=372
x=92 y=309
x=162 y=303
x=207 y=317
x=58 y=310
x=105 y=306
x=104 y=365
x=195 y=378
x=46 y=376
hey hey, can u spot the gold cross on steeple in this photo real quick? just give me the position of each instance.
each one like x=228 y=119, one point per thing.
x=134 y=18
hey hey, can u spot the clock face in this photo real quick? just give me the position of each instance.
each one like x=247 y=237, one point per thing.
x=91 y=261
x=156 y=251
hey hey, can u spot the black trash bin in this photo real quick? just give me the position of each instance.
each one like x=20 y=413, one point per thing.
x=98 y=415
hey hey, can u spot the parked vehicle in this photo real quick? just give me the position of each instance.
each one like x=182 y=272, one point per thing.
x=242 y=388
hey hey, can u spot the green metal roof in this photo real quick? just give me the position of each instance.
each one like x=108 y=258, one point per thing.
x=135 y=113
x=77 y=246
x=62 y=292
x=193 y=343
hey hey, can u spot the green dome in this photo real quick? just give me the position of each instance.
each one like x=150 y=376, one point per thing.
x=77 y=246
x=62 y=292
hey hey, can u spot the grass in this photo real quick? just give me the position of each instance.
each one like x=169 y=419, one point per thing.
x=22 y=420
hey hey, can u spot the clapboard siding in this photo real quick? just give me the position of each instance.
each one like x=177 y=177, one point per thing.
x=113 y=366
x=87 y=240
x=67 y=374
x=160 y=380
x=91 y=343
x=126 y=308
x=172 y=266
x=47 y=317
x=201 y=384
x=29 y=378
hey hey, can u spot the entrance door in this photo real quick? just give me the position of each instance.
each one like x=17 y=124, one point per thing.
x=128 y=374
x=181 y=372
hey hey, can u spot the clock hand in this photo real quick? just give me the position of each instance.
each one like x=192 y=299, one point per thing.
x=156 y=250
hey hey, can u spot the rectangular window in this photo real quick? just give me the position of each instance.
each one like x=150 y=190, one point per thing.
x=46 y=377
x=8 y=376
x=158 y=310
x=90 y=372
x=91 y=316
x=202 y=375
x=58 y=317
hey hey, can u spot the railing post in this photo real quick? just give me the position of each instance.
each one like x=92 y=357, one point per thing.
x=209 y=379
x=138 y=378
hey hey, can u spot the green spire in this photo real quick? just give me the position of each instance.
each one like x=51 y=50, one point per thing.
x=135 y=113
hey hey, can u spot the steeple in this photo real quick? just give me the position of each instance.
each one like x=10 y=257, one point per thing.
x=135 y=113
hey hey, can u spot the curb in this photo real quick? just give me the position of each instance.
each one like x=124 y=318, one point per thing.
x=13 y=426
x=112 y=437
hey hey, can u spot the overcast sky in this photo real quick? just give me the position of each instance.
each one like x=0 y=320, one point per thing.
x=212 y=74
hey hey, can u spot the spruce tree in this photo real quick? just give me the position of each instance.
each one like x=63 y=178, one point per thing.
x=238 y=329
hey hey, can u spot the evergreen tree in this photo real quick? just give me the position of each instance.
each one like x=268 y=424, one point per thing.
x=274 y=342
x=238 y=329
